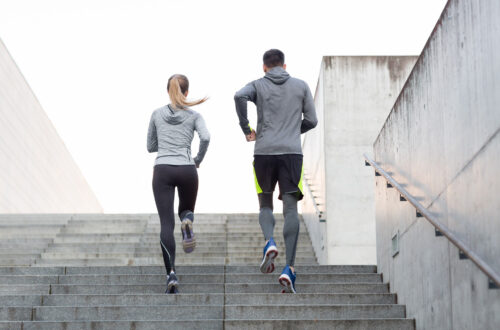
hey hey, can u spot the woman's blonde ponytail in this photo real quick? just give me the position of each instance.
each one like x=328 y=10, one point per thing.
x=177 y=86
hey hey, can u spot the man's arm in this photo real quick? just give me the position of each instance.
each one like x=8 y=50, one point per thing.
x=247 y=93
x=310 y=121
x=152 y=143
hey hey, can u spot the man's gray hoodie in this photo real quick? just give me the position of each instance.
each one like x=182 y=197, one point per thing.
x=281 y=102
x=171 y=132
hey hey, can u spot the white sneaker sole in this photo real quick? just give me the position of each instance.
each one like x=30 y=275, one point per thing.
x=267 y=265
x=286 y=283
x=189 y=244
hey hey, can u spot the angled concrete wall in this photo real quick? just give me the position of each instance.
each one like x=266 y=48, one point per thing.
x=37 y=173
x=442 y=141
x=353 y=98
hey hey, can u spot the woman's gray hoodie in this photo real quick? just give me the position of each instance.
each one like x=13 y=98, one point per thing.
x=171 y=132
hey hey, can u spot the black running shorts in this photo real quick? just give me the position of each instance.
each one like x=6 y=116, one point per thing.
x=287 y=170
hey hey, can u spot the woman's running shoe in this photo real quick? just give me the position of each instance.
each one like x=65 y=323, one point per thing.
x=287 y=280
x=188 y=239
x=172 y=283
x=270 y=253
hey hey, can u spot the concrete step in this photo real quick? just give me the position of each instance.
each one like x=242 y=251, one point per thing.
x=113 y=325
x=130 y=299
x=15 y=313
x=31 y=271
x=300 y=256
x=28 y=279
x=134 y=289
x=314 y=312
x=81 y=262
x=309 y=298
x=158 y=260
x=5 y=227
x=21 y=250
x=184 y=278
x=134 y=270
x=23 y=241
x=306 y=278
x=26 y=234
x=148 y=270
x=194 y=312
x=21 y=289
x=137 y=313
x=308 y=269
x=16 y=255
x=29 y=300
x=193 y=299
x=137 y=279
x=106 y=272
x=8 y=261
x=308 y=288
x=150 y=244
x=353 y=324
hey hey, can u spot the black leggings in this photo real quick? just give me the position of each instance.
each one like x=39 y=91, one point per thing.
x=165 y=179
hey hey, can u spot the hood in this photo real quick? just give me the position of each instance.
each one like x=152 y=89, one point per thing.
x=174 y=116
x=277 y=75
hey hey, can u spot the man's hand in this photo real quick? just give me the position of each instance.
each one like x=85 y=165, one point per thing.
x=251 y=137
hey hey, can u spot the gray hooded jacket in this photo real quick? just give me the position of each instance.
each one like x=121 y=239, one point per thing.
x=281 y=102
x=171 y=132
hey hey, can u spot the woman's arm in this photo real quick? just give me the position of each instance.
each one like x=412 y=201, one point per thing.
x=152 y=143
x=204 y=135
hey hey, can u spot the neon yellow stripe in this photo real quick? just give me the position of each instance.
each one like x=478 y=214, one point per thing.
x=301 y=178
x=257 y=186
x=250 y=127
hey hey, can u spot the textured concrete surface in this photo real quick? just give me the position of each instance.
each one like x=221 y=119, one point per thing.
x=37 y=172
x=353 y=98
x=442 y=142
x=224 y=294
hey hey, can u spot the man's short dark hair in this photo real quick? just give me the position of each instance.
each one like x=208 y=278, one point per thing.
x=274 y=57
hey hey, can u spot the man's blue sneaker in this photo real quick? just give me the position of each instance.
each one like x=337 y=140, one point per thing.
x=270 y=253
x=287 y=280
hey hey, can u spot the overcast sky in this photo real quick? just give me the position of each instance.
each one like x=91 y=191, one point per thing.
x=99 y=69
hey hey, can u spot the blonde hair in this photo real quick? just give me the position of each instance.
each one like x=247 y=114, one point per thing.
x=177 y=86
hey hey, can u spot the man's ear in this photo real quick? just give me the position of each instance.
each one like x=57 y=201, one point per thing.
x=284 y=66
x=265 y=68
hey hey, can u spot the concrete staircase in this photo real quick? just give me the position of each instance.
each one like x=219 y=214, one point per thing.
x=105 y=272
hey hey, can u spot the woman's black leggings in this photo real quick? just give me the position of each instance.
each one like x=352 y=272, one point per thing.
x=165 y=179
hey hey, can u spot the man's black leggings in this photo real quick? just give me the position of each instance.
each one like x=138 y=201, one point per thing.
x=165 y=179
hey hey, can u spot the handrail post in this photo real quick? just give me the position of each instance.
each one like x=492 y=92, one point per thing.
x=464 y=251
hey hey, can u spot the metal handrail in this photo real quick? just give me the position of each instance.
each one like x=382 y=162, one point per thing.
x=480 y=263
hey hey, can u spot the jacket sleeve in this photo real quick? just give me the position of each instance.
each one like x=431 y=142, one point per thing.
x=152 y=143
x=247 y=93
x=204 y=135
x=309 y=121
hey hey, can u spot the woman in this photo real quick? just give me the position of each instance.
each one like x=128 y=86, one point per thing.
x=170 y=133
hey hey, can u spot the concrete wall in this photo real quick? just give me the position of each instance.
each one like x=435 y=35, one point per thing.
x=354 y=96
x=37 y=173
x=442 y=141
x=313 y=205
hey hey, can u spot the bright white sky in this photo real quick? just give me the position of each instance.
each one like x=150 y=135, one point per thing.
x=100 y=67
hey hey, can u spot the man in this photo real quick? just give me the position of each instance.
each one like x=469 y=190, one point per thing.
x=285 y=109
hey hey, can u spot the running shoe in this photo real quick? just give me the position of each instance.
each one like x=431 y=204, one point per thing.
x=188 y=239
x=172 y=283
x=287 y=280
x=269 y=254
